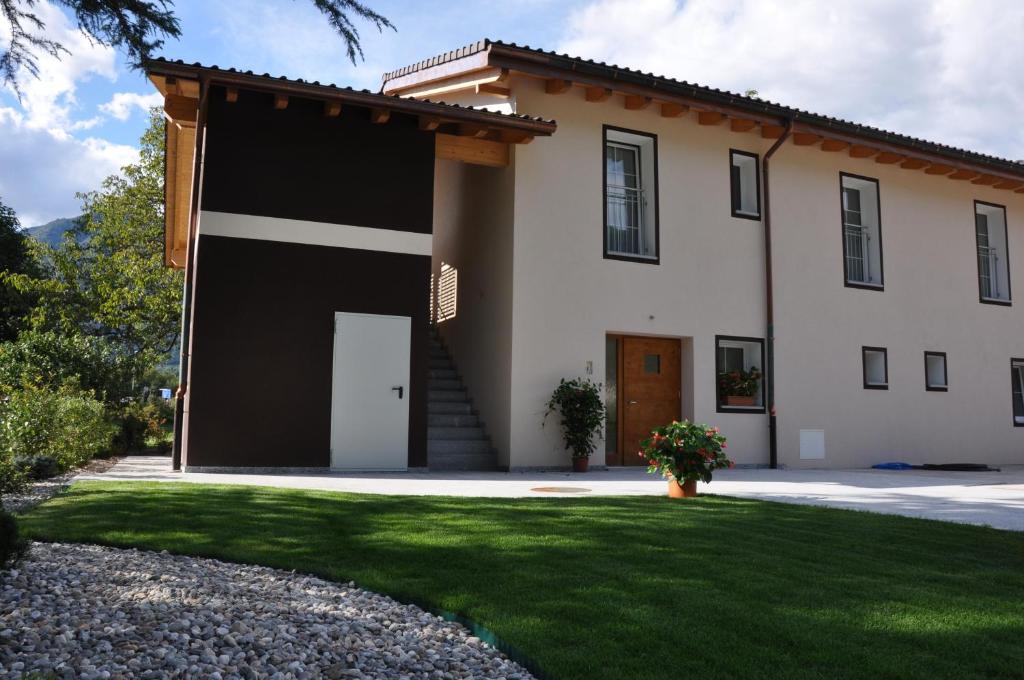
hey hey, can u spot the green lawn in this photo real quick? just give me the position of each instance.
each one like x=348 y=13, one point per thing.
x=628 y=587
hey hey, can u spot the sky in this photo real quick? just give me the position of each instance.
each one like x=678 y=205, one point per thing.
x=943 y=70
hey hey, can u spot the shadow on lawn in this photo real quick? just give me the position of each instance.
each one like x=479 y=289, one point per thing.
x=613 y=587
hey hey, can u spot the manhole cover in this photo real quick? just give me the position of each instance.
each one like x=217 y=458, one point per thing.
x=560 y=489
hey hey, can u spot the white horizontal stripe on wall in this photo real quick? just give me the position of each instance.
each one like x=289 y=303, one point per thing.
x=313 y=233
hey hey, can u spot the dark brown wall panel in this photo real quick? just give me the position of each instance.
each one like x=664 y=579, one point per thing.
x=299 y=164
x=263 y=342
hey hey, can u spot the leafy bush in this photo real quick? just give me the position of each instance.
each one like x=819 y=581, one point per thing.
x=52 y=360
x=139 y=422
x=37 y=467
x=66 y=424
x=685 y=450
x=12 y=477
x=12 y=546
x=579 y=402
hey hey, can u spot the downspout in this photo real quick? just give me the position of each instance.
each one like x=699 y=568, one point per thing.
x=190 y=255
x=769 y=368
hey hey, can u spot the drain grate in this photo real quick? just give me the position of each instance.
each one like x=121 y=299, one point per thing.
x=560 y=489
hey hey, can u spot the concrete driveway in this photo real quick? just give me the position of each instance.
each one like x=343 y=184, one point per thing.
x=984 y=498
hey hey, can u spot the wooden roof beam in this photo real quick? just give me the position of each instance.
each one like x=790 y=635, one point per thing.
x=985 y=180
x=964 y=174
x=914 y=164
x=557 y=85
x=710 y=117
x=805 y=138
x=379 y=116
x=1009 y=184
x=471 y=130
x=183 y=111
x=332 y=109
x=598 y=94
x=429 y=123
x=515 y=137
x=673 y=110
x=834 y=145
x=471 y=150
x=889 y=158
x=280 y=102
x=742 y=124
x=861 y=151
x=635 y=102
x=493 y=89
x=939 y=169
x=770 y=131
x=231 y=95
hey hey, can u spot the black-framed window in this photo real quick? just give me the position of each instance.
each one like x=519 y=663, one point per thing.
x=990 y=235
x=861 y=214
x=936 y=377
x=1017 y=375
x=876 y=368
x=744 y=184
x=739 y=370
x=630 y=194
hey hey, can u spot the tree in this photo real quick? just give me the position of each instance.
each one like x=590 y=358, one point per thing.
x=138 y=27
x=16 y=257
x=107 y=278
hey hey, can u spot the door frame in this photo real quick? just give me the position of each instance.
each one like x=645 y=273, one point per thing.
x=618 y=458
x=408 y=391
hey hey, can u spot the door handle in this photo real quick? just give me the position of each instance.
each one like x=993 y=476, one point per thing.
x=401 y=390
x=633 y=401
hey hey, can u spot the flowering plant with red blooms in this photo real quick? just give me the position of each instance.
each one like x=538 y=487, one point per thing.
x=685 y=450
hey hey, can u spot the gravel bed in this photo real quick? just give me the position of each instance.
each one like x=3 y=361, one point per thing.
x=37 y=492
x=84 y=611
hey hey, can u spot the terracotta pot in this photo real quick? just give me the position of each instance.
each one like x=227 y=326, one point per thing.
x=740 y=400
x=688 y=489
x=580 y=464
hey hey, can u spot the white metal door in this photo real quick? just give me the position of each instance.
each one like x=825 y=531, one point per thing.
x=370 y=401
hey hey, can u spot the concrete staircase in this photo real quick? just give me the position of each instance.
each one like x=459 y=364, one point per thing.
x=456 y=439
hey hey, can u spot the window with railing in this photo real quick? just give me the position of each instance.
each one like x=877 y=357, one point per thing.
x=1017 y=375
x=629 y=195
x=862 y=231
x=993 y=265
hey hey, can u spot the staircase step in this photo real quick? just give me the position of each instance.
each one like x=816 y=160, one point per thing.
x=440 y=364
x=457 y=446
x=455 y=433
x=466 y=462
x=452 y=420
x=444 y=384
x=438 y=353
x=443 y=374
x=449 y=407
x=446 y=395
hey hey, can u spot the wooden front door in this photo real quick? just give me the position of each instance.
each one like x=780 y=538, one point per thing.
x=650 y=390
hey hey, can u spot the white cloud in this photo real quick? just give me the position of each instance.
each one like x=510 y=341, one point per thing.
x=42 y=163
x=946 y=70
x=122 y=104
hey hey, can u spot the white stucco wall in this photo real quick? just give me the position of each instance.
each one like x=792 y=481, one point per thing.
x=930 y=302
x=559 y=297
x=568 y=297
x=473 y=232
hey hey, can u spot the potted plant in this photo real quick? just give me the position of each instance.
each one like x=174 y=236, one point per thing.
x=579 y=403
x=739 y=388
x=684 y=452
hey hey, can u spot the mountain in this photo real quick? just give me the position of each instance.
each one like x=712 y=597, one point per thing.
x=52 y=232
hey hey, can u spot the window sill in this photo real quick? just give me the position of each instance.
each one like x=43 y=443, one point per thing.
x=744 y=215
x=995 y=301
x=937 y=388
x=864 y=286
x=627 y=257
x=722 y=408
x=876 y=386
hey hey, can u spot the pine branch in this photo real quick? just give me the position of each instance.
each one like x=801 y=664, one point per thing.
x=337 y=11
